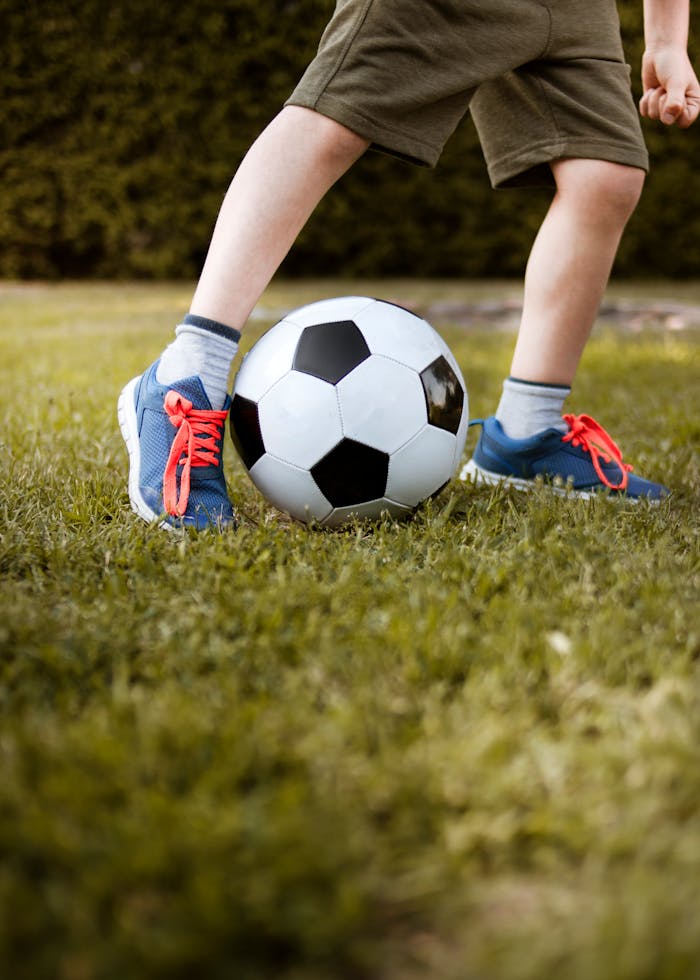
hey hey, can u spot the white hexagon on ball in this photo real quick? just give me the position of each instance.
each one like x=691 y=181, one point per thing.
x=399 y=334
x=268 y=361
x=299 y=419
x=290 y=489
x=329 y=310
x=371 y=508
x=421 y=467
x=382 y=403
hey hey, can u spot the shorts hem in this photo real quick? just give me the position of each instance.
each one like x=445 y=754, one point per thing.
x=531 y=168
x=406 y=146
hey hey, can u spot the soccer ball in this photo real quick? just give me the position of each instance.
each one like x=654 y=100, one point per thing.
x=349 y=407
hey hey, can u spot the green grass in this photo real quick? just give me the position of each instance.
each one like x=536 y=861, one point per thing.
x=462 y=748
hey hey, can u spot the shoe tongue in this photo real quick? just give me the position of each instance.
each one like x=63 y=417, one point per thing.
x=193 y=390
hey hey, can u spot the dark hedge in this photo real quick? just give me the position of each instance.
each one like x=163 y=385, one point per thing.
x=122 y=123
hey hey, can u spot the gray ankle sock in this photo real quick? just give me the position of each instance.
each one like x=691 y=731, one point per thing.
x=204 y=348
x=527 y=408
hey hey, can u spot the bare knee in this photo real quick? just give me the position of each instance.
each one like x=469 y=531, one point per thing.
x=332 y=141
x=606 y=192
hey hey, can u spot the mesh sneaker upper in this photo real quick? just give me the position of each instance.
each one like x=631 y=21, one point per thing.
x=549 y=455
x=208 y=502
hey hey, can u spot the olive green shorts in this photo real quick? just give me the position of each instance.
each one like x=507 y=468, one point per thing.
x=544 y=79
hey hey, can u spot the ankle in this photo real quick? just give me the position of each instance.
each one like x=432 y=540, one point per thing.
x=202 y=348
x=527 y=408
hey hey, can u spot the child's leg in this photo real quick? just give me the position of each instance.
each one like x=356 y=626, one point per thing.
x=279 y=183
x=172 y=417
x=566 y=277
x=285 y=174
x=570 y=264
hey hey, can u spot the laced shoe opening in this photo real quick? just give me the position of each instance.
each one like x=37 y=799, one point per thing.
x=197 y=443
x=586 y=433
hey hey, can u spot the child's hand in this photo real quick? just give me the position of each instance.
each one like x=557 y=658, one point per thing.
x=671 y=89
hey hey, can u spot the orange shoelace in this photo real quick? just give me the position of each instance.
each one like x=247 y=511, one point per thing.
x=593 y=439
x=196 y=443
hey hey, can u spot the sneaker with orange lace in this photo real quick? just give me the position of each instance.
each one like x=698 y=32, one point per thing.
x=583 y=462
x=175 y=442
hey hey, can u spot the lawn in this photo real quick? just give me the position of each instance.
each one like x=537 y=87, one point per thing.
x=466 y=747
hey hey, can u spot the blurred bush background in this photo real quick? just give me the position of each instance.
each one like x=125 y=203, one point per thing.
x=122 y=124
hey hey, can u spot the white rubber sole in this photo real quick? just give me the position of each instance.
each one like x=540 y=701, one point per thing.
x=471 y=472
x=126 y=413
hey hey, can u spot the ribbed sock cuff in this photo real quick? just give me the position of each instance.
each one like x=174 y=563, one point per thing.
x=539 y=384
x=212 y=326
x=527 y=408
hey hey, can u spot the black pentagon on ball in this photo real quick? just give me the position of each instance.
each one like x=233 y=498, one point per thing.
x=245 y=430
x=444 y=395
x=330 y=351
x=351 y=473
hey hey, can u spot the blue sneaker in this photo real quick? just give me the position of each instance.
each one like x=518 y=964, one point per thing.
x=583 y=462
x=175 y=442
